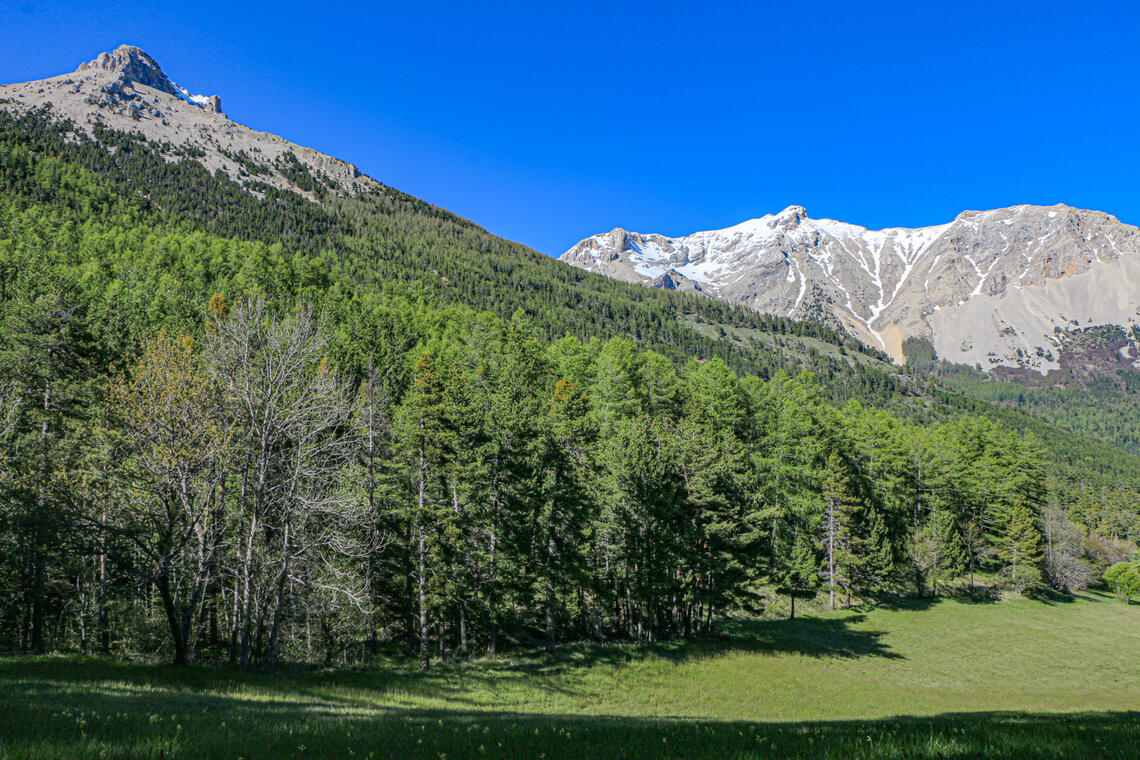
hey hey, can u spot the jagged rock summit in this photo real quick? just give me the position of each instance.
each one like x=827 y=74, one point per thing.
x=128 y=91
x=991 y=288
x=132 y=65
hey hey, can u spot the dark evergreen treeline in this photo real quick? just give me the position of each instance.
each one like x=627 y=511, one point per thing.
x=345 y=456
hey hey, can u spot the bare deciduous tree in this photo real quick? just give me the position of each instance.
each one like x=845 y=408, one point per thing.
x=294 y=445
x=1065 y=566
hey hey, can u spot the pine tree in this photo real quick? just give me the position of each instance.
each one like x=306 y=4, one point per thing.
x=371 y=473
x=1020 y=548
x=797 y=568
x=840 y=512
x=789 y=466
x=646 y=517
x=427 y=438
x=950 y=559
x=561 y=520
x=47 y=361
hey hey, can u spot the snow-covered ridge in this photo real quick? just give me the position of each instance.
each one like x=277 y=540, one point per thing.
x=705 y=256
x=890 y=284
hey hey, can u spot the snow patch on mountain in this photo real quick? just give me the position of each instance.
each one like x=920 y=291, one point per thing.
x=888 y=285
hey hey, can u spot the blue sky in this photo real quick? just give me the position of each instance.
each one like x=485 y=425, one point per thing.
x=548 y=122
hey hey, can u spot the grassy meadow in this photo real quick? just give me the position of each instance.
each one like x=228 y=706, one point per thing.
x=963 y=678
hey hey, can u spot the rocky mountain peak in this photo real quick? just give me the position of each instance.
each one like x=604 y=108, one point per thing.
x=130 y=65
x=618 y=239
x=792 y=215
x=126 y=90
x=134 y=65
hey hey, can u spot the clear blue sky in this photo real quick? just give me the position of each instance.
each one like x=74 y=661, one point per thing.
x=548 y=122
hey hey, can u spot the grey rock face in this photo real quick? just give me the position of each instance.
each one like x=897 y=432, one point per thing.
x=132 y=65
x=127 y=90
x=991 y=288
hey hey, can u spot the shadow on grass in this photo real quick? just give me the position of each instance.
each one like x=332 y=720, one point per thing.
x=809 y=636
x=76 y=713
x=816 y=637
x=961 y=595
x=454 y=683
x=1051 y=596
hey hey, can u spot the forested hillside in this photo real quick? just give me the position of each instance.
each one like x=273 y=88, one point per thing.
x=262 y=427
x=1095 y=391
x=387 y=244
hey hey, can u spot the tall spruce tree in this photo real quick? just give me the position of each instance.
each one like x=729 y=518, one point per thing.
x=560 y=522
x=427 y=439
x=840 y=510
x=48 y=364
x=1020 y=547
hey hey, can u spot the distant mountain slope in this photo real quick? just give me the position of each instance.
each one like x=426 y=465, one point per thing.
x=1095 y=391
x=991 y=288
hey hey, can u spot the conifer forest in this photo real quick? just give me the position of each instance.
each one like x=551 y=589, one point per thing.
x=261 y=430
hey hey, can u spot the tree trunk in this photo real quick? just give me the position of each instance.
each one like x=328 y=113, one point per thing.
x=831 y=556
x=235 y=626
x=178 y=634
x=421 y=591
x=411 y=633
x=463 y=630
x=549 y=605
x=37 y=594
x=38 y=558
x=280 y=588
x=102 y=624
x=493 y=603
x=246 y=595
x=421 y=567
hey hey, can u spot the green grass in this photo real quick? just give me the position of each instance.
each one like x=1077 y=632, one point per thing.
x=953 y=679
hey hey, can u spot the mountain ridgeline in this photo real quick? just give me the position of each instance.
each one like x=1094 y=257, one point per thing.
x=992 y=288
x=253 y=399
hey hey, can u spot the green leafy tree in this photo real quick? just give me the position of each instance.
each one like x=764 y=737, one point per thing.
x=1124 y=579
